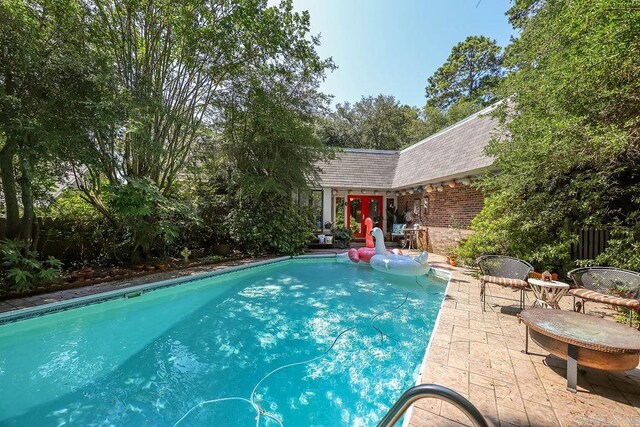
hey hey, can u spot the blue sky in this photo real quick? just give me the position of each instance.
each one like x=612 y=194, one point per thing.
x=392 y=47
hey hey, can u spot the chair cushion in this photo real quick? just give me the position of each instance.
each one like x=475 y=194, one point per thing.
x=503 y=281
x=607 y=299
x=398 y=228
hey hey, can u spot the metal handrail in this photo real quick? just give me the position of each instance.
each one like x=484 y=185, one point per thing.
x=428 y=391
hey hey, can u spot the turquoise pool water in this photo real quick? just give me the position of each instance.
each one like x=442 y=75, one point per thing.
x=300 y=342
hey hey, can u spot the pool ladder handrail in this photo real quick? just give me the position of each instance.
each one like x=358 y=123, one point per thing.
x=423 y=391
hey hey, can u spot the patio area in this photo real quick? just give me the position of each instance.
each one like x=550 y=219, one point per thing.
x=481 y=356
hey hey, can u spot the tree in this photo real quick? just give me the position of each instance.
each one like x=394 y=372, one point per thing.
x=46 y=93
x=174 y=67
x=573 y=156
x=379 y=122
x=271 y=149
x=470 y=73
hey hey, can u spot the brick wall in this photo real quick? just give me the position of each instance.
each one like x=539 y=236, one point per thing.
x=449 y=214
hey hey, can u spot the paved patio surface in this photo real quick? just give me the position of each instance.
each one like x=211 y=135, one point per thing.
x=481 y=356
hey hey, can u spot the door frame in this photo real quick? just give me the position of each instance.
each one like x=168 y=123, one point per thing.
x=365 y=209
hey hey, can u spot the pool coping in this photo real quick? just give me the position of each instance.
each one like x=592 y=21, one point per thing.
x=40 y=310
x=442 y=274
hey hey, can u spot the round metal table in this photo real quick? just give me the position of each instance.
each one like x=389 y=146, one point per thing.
x=548 y=294
x=582 y=340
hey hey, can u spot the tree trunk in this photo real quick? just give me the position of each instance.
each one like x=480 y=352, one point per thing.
x=27 y=200
x=12 y=229
x=35 y=241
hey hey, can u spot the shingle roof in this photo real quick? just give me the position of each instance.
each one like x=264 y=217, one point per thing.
x=360 y=168
x=454 y=152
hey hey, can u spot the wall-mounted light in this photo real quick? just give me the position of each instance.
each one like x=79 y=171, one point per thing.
x=404 y=192
x=440 y=188
x=397 y=193
x=335 y=192
x=349 y=191
x=363 y=191
x=429 y=188
x=388 y=193
x=451 y=184
x=375 y=192
x=420 y=189
x=411 y=191
x=464 y=181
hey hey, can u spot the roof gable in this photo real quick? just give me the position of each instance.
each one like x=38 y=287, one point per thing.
x=454 y=152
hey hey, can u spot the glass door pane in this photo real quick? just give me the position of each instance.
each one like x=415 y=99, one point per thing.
x=356 y=216
x=375 y=211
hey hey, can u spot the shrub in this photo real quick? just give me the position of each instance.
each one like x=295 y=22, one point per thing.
x=272 y=225
x=24 y=270
x=623 y=249
x=151 y=222
x=77 y=232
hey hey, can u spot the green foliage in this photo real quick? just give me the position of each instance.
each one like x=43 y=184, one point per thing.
x=623 y=249
x=379 y=122
x=151 y=221
x=383 y=123
x=25 y=271
x=471 y=73
x=573 y=157
x=341 y=234
x=47 y=100
x=77 y=232
x=274 y=225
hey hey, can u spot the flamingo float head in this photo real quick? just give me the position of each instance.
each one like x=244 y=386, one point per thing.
x=368 y=226
x=379 y=236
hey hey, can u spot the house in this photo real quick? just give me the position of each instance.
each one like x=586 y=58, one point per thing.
x=428 y=182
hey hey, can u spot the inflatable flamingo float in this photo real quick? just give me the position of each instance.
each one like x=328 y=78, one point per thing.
x=365 y=254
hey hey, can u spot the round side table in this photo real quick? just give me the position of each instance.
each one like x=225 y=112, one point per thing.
x=547 y=294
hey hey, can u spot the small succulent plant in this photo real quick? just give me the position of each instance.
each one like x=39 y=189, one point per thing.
x=185 y=254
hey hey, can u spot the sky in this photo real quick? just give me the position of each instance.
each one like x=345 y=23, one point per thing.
x=393 y=46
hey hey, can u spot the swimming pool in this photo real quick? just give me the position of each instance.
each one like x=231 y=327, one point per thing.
x=295 y=342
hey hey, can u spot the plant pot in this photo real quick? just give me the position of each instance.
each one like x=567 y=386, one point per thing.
x=161 y=267
x=139 y=267
x=452 y=260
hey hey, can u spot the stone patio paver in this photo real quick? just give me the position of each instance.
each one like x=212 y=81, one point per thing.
x=481 y=356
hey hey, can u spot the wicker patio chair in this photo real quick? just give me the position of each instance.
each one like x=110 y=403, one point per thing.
x=503 y=271
x=613 y=286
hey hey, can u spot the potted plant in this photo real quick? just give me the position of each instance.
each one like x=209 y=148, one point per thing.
x=452 y=258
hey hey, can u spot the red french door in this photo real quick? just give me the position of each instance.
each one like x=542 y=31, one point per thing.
x=361 y=207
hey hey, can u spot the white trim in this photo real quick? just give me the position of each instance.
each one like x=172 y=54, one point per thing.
x=326 y=205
